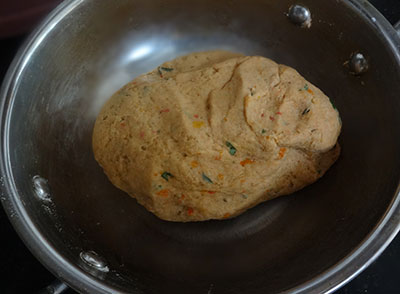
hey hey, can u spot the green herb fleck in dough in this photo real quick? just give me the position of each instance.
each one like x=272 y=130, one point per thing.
x=166 y=176
x=305 y=88
x=232 y=149
x=305 y=111
x=207 y=179
x=166 y=68
x=160 y=70
x=333 y=105
x=263 y=131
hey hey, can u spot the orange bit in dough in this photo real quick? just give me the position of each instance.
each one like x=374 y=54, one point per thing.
x=246 y=161
x=190 y=211
x=163 y=193
x=219 y=157
x=206 y=191
x=220 y=176
x=194 y=164
x=282 y=152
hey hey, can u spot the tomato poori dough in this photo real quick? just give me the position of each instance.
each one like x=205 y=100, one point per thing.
x=212 y=134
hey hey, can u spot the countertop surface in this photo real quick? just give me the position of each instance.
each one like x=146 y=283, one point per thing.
x=20 y=272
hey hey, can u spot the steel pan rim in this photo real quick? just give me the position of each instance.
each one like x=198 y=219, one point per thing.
x=327 y=282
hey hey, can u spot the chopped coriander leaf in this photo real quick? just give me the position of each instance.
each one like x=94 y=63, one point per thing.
x=207 y=179
x=305 y=88
x=166 y=176
x=160 y=70
x=333 y=105
x=166 y=68
x=232 y=149
x=263 y=131
x=305 y=111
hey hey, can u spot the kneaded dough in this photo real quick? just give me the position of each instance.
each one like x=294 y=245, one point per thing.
x=212 y=134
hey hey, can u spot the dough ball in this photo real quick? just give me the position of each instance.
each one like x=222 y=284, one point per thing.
x=212 y=134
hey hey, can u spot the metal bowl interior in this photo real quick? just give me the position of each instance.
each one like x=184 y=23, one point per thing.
x=88 y=49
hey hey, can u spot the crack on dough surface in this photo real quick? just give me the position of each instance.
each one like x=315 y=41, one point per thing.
x=212 y=134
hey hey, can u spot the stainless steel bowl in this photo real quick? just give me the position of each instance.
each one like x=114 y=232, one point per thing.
x=64 y=207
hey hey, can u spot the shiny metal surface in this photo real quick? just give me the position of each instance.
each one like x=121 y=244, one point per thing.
x=397 y=27
x=94 y=260
x=358 y=64
x=309 y=242
x=41 y=188
x=56 y=287
x=300 y=15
